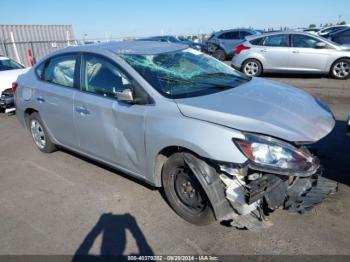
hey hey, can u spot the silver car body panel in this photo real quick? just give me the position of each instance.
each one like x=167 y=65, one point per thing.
x=264 y=107
x=292 y=59
x=130 y=137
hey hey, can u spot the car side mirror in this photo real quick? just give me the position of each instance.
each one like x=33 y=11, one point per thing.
x=126 y=95
x=320 y=45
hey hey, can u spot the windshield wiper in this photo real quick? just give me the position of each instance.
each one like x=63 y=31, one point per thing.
x=216 y=74
x=172 y=79
x=236 y=77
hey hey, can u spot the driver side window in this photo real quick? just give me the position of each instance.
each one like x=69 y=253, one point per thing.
x=102 y=77
x=304 y=41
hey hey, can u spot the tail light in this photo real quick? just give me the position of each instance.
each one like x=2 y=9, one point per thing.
x=241 y=48
x=14 y=87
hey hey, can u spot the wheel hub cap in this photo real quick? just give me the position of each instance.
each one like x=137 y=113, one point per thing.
x=251 y=69
x=342 y=69
x=38 y=133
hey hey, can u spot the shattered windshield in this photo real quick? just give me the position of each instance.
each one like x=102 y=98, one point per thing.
x=185 y=73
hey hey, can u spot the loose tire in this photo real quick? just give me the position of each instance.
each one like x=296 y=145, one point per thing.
x=341 y=69
x=39 y=133
x=219 y=54
x=184 y=192
x=252 y=67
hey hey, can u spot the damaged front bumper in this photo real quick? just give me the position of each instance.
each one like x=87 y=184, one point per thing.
x=253 y=196
x=245 y=197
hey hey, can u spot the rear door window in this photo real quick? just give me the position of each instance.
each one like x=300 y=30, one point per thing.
x=277 y=40
x=230 y=35
x=60 y=70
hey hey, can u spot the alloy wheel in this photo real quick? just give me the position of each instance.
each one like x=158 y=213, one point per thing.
x=38 y=133
x=341 y=69
x=251 y=68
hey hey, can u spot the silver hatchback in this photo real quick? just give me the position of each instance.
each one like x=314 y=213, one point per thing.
x=292 y=52
x=220 y=144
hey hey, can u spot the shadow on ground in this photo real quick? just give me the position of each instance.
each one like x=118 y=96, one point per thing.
x=112 y=228
x=296 y=76
x=334 y=153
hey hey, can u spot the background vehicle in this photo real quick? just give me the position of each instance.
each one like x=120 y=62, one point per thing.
x=312 y=30
x=325 y=32
x=135 y=106
x=173 y=39
x=9 y=71
x=292 y=52
x=341 y=37
x=222 y=44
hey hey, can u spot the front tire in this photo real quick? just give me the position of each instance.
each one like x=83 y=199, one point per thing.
x=40 y=135
x=184 y=192
x=341 y=69
x=252 y=67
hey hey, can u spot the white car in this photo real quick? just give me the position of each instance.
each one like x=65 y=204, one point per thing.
x=9 y=71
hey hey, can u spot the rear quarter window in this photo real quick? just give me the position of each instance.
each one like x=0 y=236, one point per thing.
x=39 y=70
x=258 y=41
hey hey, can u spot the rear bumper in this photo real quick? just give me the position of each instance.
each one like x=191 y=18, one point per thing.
x=236 y=62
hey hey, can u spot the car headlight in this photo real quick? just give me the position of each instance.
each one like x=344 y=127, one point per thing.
x=270 y=154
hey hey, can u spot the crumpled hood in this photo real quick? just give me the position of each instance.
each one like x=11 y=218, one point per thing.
x=265 y=107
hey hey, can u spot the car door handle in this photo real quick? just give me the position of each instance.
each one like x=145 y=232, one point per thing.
x=295 y=52
x=40 y=99
x=263 y=50
x=82 y=110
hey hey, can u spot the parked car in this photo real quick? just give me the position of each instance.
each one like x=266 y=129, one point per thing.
x=173 y=39
x=191 y=43
x=221 y=145
x=341 y=37
x=325 y=32
x=9 y=71
x=222 y=44
x=312 y=30
x=292 y=52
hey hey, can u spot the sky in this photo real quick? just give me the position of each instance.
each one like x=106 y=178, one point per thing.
x=120 y=18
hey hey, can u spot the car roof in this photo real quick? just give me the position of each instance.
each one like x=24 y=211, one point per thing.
x=251 y=37
x=233 y=30
x=129 y=47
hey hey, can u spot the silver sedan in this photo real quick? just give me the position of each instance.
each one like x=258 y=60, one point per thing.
x=221 y=145
x=292 y=52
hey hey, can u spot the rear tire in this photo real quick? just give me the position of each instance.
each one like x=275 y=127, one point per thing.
x=219 y=54
x=252 y=67
x=39 y=134
x=341 y=69
x=184 y=192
